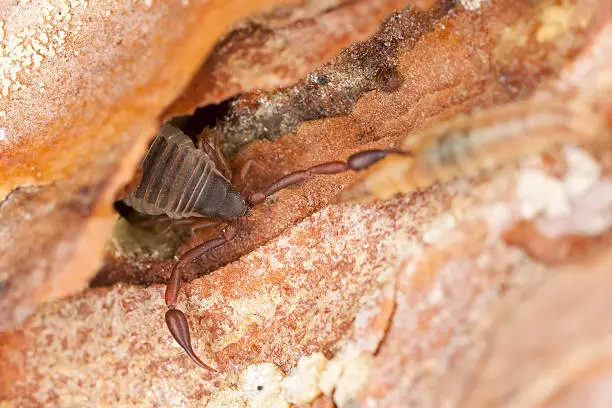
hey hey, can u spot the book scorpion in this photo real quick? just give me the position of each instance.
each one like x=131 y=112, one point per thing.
x=182 y=181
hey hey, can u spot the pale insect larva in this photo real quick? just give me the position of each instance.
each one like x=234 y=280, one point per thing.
x=468 y=144
x=181 y=181
x=487 y=139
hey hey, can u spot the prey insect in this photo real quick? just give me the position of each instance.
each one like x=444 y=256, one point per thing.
x=181 y=181
x=469 y=144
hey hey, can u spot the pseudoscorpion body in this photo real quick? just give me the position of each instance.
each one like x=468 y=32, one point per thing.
x=181 y=181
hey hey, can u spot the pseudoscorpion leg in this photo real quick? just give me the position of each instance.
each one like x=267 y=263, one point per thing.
x=175 y=319
x=357 y=161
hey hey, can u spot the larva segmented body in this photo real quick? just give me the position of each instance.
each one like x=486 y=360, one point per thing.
x=468 y=144
x=181 y=181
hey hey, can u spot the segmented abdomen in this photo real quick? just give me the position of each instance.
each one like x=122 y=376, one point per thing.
x=181 y=181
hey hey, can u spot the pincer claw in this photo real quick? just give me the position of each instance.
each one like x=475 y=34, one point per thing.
x=179 y=328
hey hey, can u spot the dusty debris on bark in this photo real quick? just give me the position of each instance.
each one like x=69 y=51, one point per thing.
x=266 y=51
x=334 y=88
x=84 y=91
x=430 y=297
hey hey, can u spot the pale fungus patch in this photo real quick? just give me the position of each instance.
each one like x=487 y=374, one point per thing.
x=472 y=5
x=498 y=218
x=265 y=386
x=558 y=20
x=302 y=386
x=346 y=374
x=353 y=379
x=577 y=204
x=583 y=172
x=591 y=214
x=261 y=387
x=539 y=192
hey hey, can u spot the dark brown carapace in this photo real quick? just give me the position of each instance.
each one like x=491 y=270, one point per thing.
x=181 y=181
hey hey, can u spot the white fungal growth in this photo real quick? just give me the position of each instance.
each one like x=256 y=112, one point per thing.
x=583 y=171
x=581 y=190
x=354 y=377
x=346 y=374
x=261 y=386
x=540 y=193
x=471 y=5
x=302 y=386
x=265 y=386
x=330 y=376
x=591 y=214
x=498 y=218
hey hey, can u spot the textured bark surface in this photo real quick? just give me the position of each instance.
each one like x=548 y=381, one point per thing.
x=84 y=86
x=490 y=290
x=433 y=82
x=267 y=51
